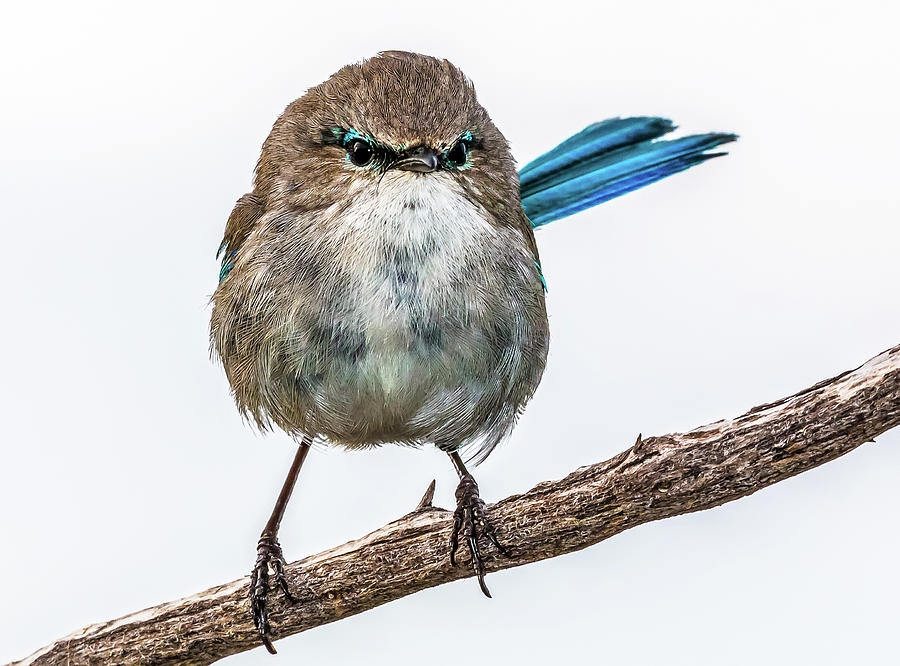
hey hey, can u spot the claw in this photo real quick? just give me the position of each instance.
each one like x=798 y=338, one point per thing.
x=470 y=520
x=500 y=549
x=268 y=555
x=454 y=541
x=281 y=579
x=489 y=533
x=479 y=565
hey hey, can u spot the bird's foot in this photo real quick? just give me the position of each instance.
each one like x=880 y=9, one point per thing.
x=470 y=522
x=269 y=563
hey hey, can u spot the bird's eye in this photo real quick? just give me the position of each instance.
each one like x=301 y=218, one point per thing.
x=459 y=153
x=360 y=152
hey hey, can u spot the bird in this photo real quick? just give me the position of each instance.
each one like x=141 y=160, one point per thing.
x=381 y=283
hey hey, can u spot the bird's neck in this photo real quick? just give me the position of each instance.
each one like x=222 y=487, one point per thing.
x=427 y=219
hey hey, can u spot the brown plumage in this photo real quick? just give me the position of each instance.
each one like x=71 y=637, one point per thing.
x=340 y=322
x=380 y=284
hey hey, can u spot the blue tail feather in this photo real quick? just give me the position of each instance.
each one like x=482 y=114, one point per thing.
x=606 y=160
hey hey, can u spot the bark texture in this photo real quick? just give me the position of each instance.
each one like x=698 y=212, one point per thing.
x=655 y=478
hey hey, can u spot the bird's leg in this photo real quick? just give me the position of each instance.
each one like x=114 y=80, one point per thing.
x=269 y=556
x=470 y=521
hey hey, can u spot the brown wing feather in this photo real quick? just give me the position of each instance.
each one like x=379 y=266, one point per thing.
x=528 y=232
x=247 y=211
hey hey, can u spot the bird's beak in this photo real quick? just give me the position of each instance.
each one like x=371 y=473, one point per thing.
x=421 y=160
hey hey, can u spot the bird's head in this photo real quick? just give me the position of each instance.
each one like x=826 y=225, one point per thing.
x=396 y=119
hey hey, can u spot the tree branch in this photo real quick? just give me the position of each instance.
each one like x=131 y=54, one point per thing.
x=656 y=478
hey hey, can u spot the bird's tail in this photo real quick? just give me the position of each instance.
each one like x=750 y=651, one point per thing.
x=606 y=160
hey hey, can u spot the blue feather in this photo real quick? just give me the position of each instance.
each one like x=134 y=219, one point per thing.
x=227 y=261
x=607 y=160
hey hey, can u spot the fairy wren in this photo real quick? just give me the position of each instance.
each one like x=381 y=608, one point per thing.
x=381 y=283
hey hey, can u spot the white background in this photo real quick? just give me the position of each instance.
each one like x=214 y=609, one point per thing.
x=128 y=479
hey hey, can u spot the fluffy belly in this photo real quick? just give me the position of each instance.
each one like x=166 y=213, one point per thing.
x=400 y=367
x=407 y=317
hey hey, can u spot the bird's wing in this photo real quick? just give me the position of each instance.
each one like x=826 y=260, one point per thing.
x=247 y=212
x=527 y=229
